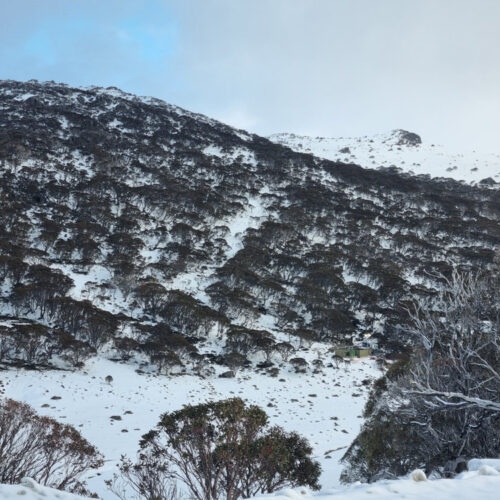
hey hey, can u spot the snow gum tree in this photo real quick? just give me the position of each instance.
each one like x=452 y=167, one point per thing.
x=444 y=401
x=219 y=450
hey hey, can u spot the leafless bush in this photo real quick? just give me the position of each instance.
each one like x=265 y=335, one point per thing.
x=147 y=479
x=457 y=363
x=51 y=453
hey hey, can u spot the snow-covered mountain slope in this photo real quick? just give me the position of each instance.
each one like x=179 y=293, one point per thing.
x=136 y=235
x=482 y=481
x=134 y=226
x=325 y=407
x=401 y=149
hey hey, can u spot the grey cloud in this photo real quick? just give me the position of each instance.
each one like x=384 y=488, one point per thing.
x=322 y=67
x=349 y=67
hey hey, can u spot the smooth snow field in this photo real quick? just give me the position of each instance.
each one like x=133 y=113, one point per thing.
x=324 y=407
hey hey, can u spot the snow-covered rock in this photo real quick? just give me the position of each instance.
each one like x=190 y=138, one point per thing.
x=418 y=475
x=475 y=464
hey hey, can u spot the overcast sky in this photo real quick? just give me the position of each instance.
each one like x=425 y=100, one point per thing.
x=320 y=67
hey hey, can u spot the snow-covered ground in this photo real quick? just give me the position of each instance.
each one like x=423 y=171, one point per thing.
x=30 y=490
x=481 y=482
x=382 y=150
x=325 y=407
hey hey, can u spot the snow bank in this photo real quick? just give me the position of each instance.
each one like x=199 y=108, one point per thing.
x=477 y=463
x=31 y=490
x=482 y=481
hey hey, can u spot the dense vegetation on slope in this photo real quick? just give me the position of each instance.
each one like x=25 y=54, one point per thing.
x=130 y=225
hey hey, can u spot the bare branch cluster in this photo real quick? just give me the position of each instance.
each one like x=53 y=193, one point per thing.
x=457 y=362
x=443 y=402
x=51 y=453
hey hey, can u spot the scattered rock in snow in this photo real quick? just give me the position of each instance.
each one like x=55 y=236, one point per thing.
x=418 y=475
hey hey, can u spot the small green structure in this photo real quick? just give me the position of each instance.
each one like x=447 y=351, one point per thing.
x=353 y=352
x=363 y=352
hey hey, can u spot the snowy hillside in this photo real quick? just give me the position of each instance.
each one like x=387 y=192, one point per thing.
x=132 y=228
x=165 y=249
x=325 y=407
x=403 y=150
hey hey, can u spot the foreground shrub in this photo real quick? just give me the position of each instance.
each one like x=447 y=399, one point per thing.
x=218 y=450
x=51 y=453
